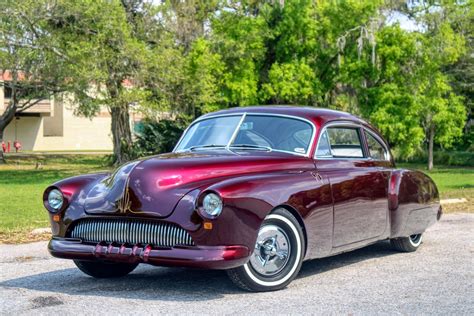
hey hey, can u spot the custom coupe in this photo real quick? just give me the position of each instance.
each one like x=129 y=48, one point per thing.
x=254 y=191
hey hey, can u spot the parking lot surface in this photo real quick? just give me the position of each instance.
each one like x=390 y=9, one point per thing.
x=437 y=279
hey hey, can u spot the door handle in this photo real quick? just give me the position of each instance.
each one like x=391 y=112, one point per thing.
x=317 y=176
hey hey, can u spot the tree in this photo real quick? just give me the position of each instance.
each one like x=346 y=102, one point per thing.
x=185 y=74
x=388 y=96
x=442 y=113
x=109 y=54
x=400 y=85
x=30 y=61
x=461 y=73
x=238 y=36
x=286 y=52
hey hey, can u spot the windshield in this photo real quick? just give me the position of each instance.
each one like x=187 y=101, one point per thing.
x=254 y=132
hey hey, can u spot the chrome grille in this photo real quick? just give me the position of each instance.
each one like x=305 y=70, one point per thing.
x=122 y=231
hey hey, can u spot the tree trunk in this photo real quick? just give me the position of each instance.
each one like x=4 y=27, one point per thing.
x=430 y=147
x=122 y=135
x=2 y=158
x=5 y=119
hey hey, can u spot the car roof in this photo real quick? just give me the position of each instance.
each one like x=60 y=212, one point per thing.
x=319 y=116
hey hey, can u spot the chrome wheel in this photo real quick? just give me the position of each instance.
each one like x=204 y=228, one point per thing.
x=271 y=252
x=415 y=240
x=277 y=255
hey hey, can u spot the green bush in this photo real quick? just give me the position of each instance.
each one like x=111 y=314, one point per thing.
x=443 y=157
x=156 y=137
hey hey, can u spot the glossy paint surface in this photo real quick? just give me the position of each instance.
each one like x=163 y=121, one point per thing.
x=359 y=193
x=342 y=204
x=224 y=257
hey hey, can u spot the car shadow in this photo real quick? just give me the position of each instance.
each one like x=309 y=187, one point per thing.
x=173 y=284
x=317 y=266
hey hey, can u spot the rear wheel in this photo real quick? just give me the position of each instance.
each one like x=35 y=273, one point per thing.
x=99 y=269
x=407 y=244
x=277 y=256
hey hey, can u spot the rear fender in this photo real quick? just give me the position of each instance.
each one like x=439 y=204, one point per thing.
x=413 y=203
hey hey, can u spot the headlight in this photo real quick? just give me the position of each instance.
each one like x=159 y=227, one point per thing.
x=212 y=204
x=55 y=199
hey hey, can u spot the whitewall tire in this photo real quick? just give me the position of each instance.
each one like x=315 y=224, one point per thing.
x=277 y=256
x=407 y=244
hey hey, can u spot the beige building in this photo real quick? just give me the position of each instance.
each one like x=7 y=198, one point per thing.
x=51 y=125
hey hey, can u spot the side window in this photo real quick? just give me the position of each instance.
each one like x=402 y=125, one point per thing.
x=376 y=149
x=324 y=149
x=345 y=142
x=303 y=135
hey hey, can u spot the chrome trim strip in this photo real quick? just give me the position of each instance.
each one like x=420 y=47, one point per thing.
x=244 y=114
x=236 y=131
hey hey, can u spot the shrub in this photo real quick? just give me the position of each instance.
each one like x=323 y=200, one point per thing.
x=443 y=157
x=156 y=137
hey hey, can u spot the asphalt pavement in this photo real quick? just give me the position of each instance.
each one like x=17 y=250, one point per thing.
x=437 y=279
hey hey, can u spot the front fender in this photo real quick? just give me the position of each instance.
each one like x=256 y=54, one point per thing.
x=249 y=199
x=72 y=186
x=73 y=189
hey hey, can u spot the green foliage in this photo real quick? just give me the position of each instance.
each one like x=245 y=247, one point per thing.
x=442 y=157
x=194 y=57
x=203 y=69
x=102 y=50
x=240 y=39
x=292 y=83
x=410 y=93
x=156 y=137
x=31 y=61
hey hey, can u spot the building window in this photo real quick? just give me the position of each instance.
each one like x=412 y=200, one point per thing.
x=7 y=92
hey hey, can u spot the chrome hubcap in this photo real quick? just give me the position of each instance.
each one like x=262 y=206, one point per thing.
x=272 y=250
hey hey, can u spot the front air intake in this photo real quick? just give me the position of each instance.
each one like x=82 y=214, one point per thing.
x=131 y=231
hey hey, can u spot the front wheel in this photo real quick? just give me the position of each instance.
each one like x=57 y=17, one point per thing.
x=98 y=269
x=277 y=256
x=407 y=244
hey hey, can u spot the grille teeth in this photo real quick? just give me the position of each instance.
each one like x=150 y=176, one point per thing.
x=159 y=234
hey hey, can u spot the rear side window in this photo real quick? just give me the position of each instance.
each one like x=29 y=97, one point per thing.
x=341 y=142
x=376 y=149
x=324 y=149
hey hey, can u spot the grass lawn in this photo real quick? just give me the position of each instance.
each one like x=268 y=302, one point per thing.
x=452 y=182
x=22 y=185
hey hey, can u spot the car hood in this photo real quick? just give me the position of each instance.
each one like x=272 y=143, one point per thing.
x=153 y=186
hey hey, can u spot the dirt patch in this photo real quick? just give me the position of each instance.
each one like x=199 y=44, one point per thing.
x=19 y=237
x=24 y=258
x=466 y=207
x=21 y=259
x=45 y=301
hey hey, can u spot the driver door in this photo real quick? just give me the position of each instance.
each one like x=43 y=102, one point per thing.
x=359 y=188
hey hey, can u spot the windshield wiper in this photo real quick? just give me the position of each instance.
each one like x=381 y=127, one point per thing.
x=250 y=146
x=206 y=146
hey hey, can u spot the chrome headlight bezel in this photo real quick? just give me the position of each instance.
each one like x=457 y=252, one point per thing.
x=55 y=200
x=212 y=205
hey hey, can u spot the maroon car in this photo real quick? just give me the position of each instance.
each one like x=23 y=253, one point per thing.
x=252 y=190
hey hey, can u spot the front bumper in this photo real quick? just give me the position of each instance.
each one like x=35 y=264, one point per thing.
x=209 y=257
